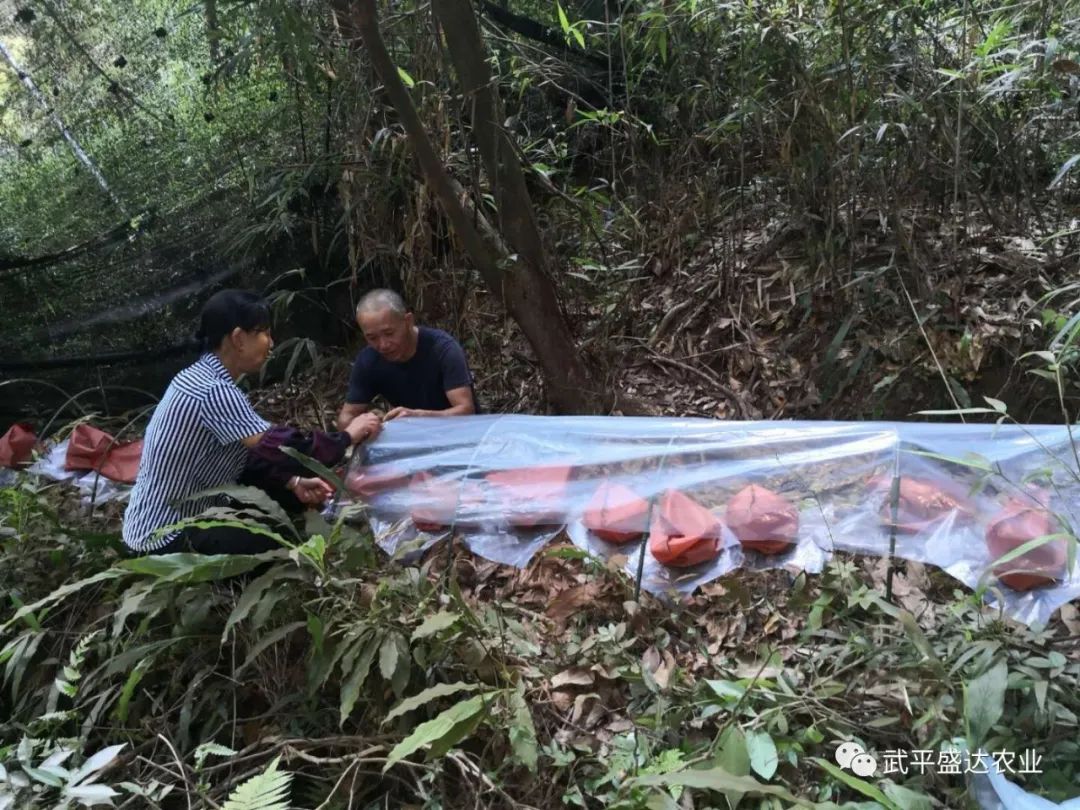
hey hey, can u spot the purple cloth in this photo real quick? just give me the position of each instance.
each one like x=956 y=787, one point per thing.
x=269 y=467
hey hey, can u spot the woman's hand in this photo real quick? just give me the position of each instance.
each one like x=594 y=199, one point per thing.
x=310 y=491
x=363 y=427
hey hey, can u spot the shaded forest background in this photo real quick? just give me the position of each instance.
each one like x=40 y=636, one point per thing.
x=845 y=209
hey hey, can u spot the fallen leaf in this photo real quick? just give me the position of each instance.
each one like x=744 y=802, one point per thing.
x=665 y=670
x=1070 y=615
x=597 y=712
x=604 y=672
x=751 y=669
x=917 y=575
x=581 y=704
x=569 y=602
x=659 y=665
x=575 y=676
x=562 y=700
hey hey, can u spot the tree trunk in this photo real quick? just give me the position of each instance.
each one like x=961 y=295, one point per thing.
x=520 y=281
x=501 y=162
x=213 y=33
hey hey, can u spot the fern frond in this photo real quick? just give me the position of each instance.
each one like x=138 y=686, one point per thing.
x=265 y=791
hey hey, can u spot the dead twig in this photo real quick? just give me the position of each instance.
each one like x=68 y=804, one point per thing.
x=711 y=379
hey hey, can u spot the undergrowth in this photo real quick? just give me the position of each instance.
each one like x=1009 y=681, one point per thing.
x=322 y=676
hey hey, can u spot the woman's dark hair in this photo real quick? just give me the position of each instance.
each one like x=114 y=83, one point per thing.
x=228 y=309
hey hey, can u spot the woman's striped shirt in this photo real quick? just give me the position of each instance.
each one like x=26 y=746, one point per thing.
x=192 y=444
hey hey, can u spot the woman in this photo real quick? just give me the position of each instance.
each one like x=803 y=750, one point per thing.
x=200 y=434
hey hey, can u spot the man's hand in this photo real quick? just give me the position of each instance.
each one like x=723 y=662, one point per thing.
x=310 y=491
x=461 y=404
x=348 y=412
x=363 y=427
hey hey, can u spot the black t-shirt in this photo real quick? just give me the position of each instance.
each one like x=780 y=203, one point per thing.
x=422 y=381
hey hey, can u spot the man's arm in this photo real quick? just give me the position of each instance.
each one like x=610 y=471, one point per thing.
x=461 y=404
x=350 y=411
x=361 y=391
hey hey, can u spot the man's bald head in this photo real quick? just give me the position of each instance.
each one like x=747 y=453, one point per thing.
x=380 y=300
x=387 y=325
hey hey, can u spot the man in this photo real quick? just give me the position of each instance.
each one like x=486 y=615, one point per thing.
x=420 y=371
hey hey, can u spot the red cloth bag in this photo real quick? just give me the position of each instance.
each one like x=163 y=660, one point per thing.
x=683 y=532
x=367 y=482
x=532 y=496
x=762 y=520
x=922 y=503
x=616 y=513
x=1015 y=525
x=17 y=445
x=91 y=449
x=434 y=502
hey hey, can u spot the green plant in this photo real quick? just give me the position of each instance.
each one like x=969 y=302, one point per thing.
x=265 y=791
x=49 y=783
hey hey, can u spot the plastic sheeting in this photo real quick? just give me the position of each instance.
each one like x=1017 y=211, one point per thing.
x=993 y=791
x=94 y=488
x=720 y=495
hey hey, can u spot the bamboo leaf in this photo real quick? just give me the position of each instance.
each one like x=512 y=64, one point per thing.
x=350 y=688
x=428 y=695
x=1027 y=547
x=122 y=705
x=907 y=799
x=98 y=762
x=984 y=703
x=91 y=795
x=459 y=732
x=1064 y=170
x=268 y=641
x=436 y=624
x=974 y=462
x=253 y=594
x=399 y=681
x=191 y=568
x=132 y=601
x=444 y=726
x=763 y=756
x=734 y=758
x=718 y=779
x=61 y=593
x=522 y=729
x=388 y=656
x=321 y=470
x=956 y=412
x=856 y=784
x=253 y=496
